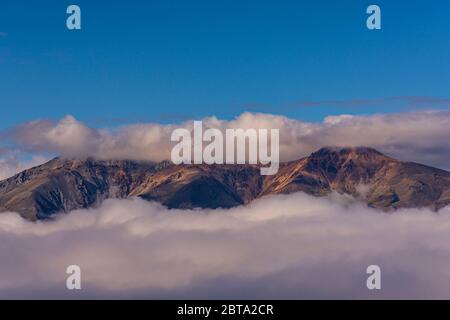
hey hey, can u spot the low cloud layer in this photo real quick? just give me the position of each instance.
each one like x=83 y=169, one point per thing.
x=285 y=246
x=412 y=136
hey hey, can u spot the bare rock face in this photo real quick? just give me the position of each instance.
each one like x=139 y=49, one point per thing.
x=62 y=185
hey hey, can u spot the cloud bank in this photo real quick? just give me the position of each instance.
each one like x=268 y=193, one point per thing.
x=412 y=136
x=285 y=246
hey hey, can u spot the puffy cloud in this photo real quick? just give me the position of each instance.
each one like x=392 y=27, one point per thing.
x=72 y=138
x=285 y=246
x=412 y=136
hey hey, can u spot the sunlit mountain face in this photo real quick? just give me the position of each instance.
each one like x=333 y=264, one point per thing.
x=63 y=185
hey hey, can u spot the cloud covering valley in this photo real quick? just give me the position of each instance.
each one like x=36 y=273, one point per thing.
x=284 y=246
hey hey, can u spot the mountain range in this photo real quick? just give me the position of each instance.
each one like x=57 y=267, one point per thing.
x=62 y=184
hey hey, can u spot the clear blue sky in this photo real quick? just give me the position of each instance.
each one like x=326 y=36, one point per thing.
x=165 y=60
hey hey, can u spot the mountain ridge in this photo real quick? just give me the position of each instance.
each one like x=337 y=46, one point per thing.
x=62 y=185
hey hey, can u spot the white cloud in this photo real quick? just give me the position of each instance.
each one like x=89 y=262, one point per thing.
x=285 y=246
x=414 y=136
x=11 y=162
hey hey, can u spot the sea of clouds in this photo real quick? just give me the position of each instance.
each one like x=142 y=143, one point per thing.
x=284 y=246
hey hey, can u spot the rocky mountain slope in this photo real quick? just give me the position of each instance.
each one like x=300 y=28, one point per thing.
x=62 y=185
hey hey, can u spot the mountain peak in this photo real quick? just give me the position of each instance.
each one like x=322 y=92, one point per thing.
x=360 y=150
x=345 y=154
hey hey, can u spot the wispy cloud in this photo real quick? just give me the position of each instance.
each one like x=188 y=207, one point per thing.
x=408 y=101
x=13 y=161
x=3 y=34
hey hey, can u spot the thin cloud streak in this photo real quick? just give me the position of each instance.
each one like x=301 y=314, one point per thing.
x=408 y=101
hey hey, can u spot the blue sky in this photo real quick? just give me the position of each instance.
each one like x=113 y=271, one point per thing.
x=165 y=61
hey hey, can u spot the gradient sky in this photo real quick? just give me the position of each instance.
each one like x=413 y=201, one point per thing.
x=165 y=61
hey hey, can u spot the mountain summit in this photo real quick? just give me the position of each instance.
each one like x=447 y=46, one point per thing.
x=62 y=185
